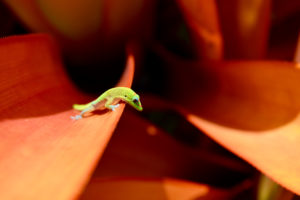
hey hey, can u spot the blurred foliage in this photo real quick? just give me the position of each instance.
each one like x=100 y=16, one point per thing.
x=102 y=64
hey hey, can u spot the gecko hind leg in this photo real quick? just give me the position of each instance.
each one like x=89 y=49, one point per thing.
x=77 y=117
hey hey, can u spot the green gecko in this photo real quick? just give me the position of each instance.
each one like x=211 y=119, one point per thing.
x=110 y=99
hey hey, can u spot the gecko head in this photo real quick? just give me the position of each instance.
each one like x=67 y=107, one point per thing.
x=134 y=101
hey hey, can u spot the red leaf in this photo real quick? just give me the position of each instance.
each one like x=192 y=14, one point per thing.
x=87 y=30
x=202 y=18
x=251 y=108
x=297 y=52
x=42 y=151
x=245 y=27
x=139 y=148
x=164 y=189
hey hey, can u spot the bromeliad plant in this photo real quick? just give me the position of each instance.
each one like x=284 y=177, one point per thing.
x=216 y=74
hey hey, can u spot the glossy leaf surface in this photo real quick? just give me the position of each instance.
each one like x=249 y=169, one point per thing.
x=41 y=149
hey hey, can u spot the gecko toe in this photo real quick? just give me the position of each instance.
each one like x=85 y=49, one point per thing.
x=77 y=117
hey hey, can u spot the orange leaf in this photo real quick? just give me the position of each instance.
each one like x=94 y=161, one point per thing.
x=251 y=108
x=29 y=12
x=245 y=27
x=297 y=52
x=163 y=189
x=113 y=17
x=42 y=151
x=89 y=32
x=274 y=152
x=139 y=148
x=256 y=95
x=202 y=18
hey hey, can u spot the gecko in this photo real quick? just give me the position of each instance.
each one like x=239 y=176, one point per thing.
x=110 y=99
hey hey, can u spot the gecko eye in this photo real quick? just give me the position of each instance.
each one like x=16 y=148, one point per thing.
x=135 y=101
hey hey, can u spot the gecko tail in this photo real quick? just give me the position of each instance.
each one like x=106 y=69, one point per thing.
x=80 y=106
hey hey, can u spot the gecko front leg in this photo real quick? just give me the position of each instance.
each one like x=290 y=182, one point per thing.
x=113 y=107
x=109 y=104
x=110 y=100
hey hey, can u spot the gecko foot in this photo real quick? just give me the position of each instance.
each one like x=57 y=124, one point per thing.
x=113 y=107
x=77 y=117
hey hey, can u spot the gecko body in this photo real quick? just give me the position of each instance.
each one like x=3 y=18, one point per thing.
x=110 y=99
